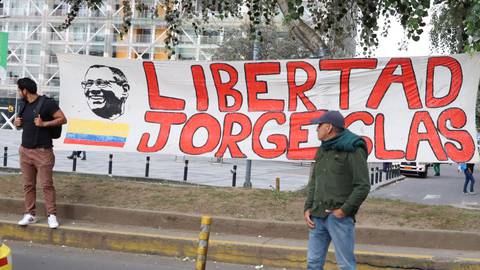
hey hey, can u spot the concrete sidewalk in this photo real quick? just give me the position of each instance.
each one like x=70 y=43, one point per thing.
x=201 y=170
x=253 y=242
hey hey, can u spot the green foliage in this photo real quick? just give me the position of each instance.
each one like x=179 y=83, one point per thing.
x=456 y=29
x=127 y=17
x=327 y=17
x=456 y=26
x=472 y=23
x=75 y=7
x=276 y=43
x=447 y=27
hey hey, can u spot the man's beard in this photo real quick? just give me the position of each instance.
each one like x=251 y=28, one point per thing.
x=113 y=106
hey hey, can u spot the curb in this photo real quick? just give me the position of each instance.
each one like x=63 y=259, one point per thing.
x=398 y=179
x=436 y=239
x=224 y=251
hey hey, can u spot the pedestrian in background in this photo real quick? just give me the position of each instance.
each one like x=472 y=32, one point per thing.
x=338 y=186
x=36 y=151
x=436 y=168
x=78 y=153
x=467 y=169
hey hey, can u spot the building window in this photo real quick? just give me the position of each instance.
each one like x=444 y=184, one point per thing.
x=59 y=9
x=78 y=32
x=120 y=52
x=142 y=35
x=96 y=50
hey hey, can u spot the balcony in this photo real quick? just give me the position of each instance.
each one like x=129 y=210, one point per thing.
x=54 y=36
x=32 y=59
x=36 y=36
x=52 y=59
x=202 y=39
x=140 y=38
x=83 y=12
x=54 y=82
x=98 y=38
x=13 y=12
x=77 y=36
x=16 y=36
x=211 y=40
x=61 y=11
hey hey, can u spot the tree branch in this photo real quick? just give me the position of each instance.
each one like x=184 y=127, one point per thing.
x=305 y=33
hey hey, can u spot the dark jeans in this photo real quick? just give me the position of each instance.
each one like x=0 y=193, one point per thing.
x=468 y=178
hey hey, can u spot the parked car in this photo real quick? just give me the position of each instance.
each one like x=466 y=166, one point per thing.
x=414 y=168
x=5 y=257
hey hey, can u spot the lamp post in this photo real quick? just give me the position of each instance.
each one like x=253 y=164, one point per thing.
x=256 y=56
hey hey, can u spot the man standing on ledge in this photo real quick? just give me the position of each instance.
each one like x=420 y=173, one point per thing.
x=337 y=187
x=36 y=152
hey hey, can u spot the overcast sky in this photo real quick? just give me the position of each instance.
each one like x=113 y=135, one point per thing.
x=389 y=47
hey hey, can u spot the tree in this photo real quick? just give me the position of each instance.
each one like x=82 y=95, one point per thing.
x=276 y=43
x=325 y=27
x=455 y=26
x=456 y=29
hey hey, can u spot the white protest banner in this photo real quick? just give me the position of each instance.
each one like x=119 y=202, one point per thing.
x=419 y=108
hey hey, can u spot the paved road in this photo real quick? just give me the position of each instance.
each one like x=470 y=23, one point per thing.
x=28 y=256
x=445 y=189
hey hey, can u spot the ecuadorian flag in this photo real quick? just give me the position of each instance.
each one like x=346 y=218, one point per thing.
x=93 y=132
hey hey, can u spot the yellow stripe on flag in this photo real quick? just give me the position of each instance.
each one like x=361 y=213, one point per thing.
x=94 y=127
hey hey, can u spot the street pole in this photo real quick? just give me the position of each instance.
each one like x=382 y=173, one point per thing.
x=256 y=56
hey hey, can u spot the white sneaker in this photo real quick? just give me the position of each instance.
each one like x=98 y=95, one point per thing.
x=52 y=222
x=472 y=193
x=27 y=219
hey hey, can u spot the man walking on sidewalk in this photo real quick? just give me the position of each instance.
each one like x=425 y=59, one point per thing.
x=36 y=118
x=467 y=169
x=338 y=186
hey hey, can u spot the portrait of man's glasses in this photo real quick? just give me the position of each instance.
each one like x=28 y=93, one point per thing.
x=102 y=83
x=106 y=89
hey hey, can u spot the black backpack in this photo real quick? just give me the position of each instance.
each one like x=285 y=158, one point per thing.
x=55 y=132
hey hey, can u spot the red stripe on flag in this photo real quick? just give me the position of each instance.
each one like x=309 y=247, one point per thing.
x=85 y=142
x=3 y=261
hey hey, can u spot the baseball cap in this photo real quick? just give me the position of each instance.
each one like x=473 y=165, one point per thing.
x=332 y=117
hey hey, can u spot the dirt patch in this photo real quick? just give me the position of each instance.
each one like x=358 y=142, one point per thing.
x=236 y=202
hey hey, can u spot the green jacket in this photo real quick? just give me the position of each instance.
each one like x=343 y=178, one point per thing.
x=340 y=176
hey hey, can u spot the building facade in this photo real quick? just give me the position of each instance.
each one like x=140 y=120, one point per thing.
x=35 y=38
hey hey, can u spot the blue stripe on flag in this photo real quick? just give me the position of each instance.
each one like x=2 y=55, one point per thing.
x=96 y=138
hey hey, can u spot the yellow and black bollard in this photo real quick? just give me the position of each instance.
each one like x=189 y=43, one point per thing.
x=203 y=243
x=277 y=183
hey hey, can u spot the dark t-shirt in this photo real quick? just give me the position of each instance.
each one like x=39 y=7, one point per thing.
x=44 y=139
x=470 y=166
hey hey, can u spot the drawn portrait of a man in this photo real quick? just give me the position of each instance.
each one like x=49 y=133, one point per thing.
x=106 y=89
